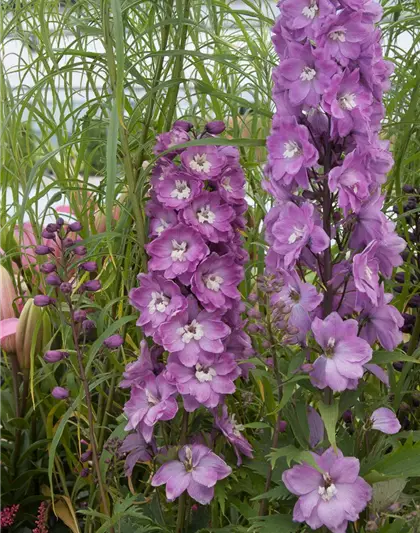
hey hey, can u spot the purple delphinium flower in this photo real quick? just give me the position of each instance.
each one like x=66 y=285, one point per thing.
x=291 y=152
x=177 y=251
x=178 y=189
x=148 y=404
x=157 y=299
x=316 y=427
x=167 y=140
x=369 y=222
x=332 y=496
x=136 y=372
x=208 y=380
x=388 y=250
x=366 y=272
x=305 y=13
x=295 y=228
x=137 y=449
x=191 y=332
x=305 y=74
x=344 y=353
x=231 y=185
x=232 y=431
x=383 y=419
x=210 y=217
x=215 y=282
x=196 y=470
x=206 y=162
x=161 y=218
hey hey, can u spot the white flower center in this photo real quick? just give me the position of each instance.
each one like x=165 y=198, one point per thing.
x=204 y=374
x=200 y=163
x=181 y=191
x=188 y=454
x=327 y=493
x=193 y=331
x=331 y=342
x=159 y=303
x=310 y=11
x=205 y=214
x=178 y=250
x=162 y=227
x=368 y=272
x=213 y=282
x=237 y=428
x=291 y=149
x=347 y=101
x=307 y=74
x=150 y=398
x=297 y=234
x=339 y=35
x=226 y=185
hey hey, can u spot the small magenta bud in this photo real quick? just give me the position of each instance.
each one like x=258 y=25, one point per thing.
x=59 y=222
x=215 y=127
x=84 y=472
x=282 y=426
x=60 y=393
x=306 y=367
x=254 y=313
x=67 y=242
x=253 y=297
x=80 y=250
x=183 y=125
x=42 y=250
x=47 y=268
x=66 y=287
x=89 y=266
x=88 y=325
x=86 y=456
x=75 y=226
x=53 y=356
x=113 y=342
x=347 y=416
x=52 y=228
x=53 y=279
x=42 y=300
x=92 y=286
x=48 y=234
x=79 y=315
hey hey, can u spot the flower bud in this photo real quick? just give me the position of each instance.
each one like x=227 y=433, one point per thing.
x=32 y=333
x=42 y=249
x=52 y=228
x=86 y=456
x=42 y=300
x=408 y=189
x=53 y=279
x=89 y=266
x=8 y=328
x=53 y=356
x=348 y=416
x=307 y=367
x=183 y=125
x=88 y=325
x=59 y=222
x=84 y=472
x=414 y=301
x=92 y=286
x=79 y=315
x=215 y=127
x=80 y=250
x=398 y=365
x=48 y=234
x=113 y=342
x=7 y=295
x=75 y=226
x=67 y=242
x=47 y=268
x=60 y=393
x=282 y=426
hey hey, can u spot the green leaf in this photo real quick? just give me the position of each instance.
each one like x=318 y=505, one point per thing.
x=402 y=462
x=257 y=425
x=111 y=164
x=278 y=493
x=329 y=415
x=277 y=523
x=382 y=357
x=292 y=454
x=387 y=492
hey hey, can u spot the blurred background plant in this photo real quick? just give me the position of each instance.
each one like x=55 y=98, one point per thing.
x=85 y=87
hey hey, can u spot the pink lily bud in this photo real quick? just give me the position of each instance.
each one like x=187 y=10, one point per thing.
x=8 y=334
x=33 y=327
x=7 y=295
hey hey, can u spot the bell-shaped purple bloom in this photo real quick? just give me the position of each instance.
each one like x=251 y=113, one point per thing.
x=231 y=185
x=388 y=250
x=208 y=380
x=157 y=299
x=207 y=215
x=232 y=431
x=167 y=140
x=366 y=272
x=138 y=451
x=291 y=152
x=178 y=190
x=205 y=162
x=350 y=181
x=135 y=373
x=149 y=404
x=177 y=251
x=341 y=36
x=197 y=470
x=301 y=298
x=160 y=217
x=215 y=282
x=316 y=427
x=332 y=497
x=381 y=322
x=295 y=228
x=305 y=13
x=305 y=74
x=191 y=332
x=344 y=353
x=369 y=223
x=239 y=343
x=383 y=419
x=347 y=101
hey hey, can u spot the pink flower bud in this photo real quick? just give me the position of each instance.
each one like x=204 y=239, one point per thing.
x=113 y=342
x=60 y=393
x=282 y=426
x=53 y=356
x=8 y=334
x=7 y=295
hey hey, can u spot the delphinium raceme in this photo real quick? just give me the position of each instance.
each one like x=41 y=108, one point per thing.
x=190 y=308
x=330 y=245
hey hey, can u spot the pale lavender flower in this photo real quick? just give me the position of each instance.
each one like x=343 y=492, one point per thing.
x=135 y=373
x=160 y=217
x=332 y=497
x=388 y=250
x=232 y=431
x=190 y=333
x=206 y=162
x=137 y=449
x=196 y=470
x=177 y=251
x=344 y=353
x=231 y=185
x=366 y=272
x=369 y=223
x=316 y=427
x=167 y=140
x=383 y=419
x=177 y=190
x=306 y=13
x=215 y=282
